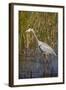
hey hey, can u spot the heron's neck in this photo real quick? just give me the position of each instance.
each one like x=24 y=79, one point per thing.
x=35 y=36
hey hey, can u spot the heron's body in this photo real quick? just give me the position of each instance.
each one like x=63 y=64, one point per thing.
x=45 y=48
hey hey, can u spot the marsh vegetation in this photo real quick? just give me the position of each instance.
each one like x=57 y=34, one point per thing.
x=32 y=64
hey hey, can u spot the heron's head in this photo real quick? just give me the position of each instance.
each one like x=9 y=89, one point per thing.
x=29 y=30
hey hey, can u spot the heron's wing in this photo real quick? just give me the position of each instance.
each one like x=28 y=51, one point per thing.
x=46 y=48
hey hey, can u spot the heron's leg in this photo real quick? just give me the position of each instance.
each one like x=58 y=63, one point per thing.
x=46 y=65
x=46 y=56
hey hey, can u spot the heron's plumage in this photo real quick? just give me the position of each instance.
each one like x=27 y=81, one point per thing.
x=45 y=48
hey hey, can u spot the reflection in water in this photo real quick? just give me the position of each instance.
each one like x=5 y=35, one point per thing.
x=33 y=64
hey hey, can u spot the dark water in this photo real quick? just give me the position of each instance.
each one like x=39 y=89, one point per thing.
x=33 y=64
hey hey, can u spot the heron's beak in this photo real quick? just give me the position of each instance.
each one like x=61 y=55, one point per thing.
x=26 y=31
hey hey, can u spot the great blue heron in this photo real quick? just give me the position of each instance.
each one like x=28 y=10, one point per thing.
x=45 y=48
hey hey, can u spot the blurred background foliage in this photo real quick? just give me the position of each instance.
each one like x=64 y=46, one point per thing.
x=45 y=25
